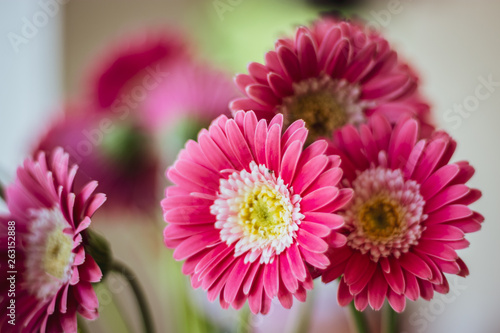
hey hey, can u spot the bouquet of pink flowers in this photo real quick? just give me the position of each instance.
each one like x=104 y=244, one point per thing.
x=325 y=165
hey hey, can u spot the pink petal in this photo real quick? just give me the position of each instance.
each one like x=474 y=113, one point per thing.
x=284 y=296
x=296 y=263
x=426 y=290
x=344 y=297
x=402 y=144
x=429 y=160
x=395 y=277
x=85 y=295
x=281 y=88
x=195 y=244
x=438 y=180
x=271 y=278
x=377 y=289
x=377 y=89
x=289 y=62
x=273 y=148
x=412 y=290
x=314 y=168
x=361 y=300
x=362 y=282
x=356 y=267
x=332 y=221
x=289 y=280
x=263 y=95
x=258 y=72
x=446 y=197
x=448 y=213
x=306 y=49
x=311 y=242
x=415 y=265
x=443 y=232
x=242 y=81
x=437 y=249
x=317 y=260
x=238 y=144
x=397 y=302
x=256 y=293
x=289 y=161
x=337 y=59
x=235 y=280
x=319 y=198
x=89 y=270
x=317 y=229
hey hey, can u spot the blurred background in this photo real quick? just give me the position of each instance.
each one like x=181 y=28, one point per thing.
x=51 y=52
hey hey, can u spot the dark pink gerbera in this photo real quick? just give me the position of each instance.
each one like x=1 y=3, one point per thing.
x=119 y=154
x=329 y=75
x=250 y=208
x=407 y=218
x=141 y=60
x=54 y=274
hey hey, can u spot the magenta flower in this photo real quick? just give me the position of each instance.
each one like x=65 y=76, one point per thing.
x=250 y=209
x=141 y=60
x=119 y=154
x=329 y=75
x=408 y=216
x=54 y=273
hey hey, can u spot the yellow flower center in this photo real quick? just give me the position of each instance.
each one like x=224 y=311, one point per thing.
x=57 y=253
x=263 y=213
x=380 y=217
x=258 y=212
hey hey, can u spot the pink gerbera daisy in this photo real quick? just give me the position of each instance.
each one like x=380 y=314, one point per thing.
x=329 y=75
x=250 y=208
x=54 y=274
x=407 y=218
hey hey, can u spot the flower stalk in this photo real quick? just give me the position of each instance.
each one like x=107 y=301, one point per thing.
x=359 y=319
x=124 y=271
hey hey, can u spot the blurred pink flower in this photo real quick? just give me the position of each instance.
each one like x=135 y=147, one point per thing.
x=408 y=216
x=54 y=273
x=142 y=58
x=120 y=154
x=331 y=74
x=194 y=91
x=249 y=210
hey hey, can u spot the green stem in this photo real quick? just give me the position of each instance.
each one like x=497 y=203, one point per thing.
x=139 y=294
x=359 y=319
x=2 y=192
x=390 y=320
x=244 y=320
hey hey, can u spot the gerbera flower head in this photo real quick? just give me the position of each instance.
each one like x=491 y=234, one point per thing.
x=249 y=210
x=192 y=90
x=53 y=271
x=119 y=154
x=408 y=216
x=139 y=60
x=331 y=74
